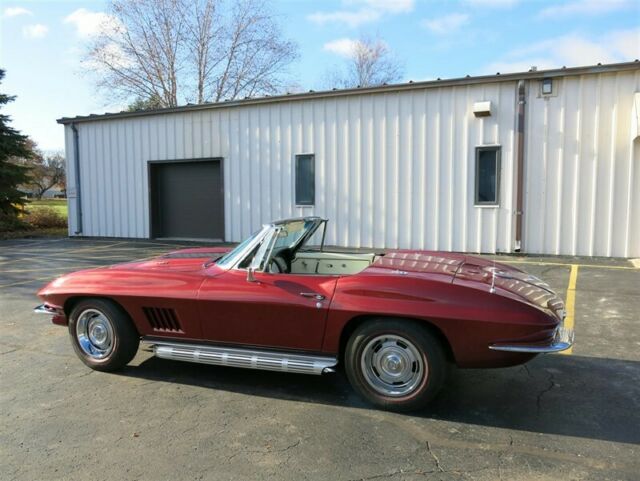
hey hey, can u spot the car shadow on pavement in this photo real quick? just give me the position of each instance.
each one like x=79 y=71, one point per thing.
x=588 y=397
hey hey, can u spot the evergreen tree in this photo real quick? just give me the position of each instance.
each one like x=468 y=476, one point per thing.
x=12 y=145
x=152 y=103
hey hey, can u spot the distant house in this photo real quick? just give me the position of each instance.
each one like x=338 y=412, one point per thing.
x=56 y=192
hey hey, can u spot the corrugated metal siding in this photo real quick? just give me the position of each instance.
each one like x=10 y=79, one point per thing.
x=393 y=169
x=582 y=168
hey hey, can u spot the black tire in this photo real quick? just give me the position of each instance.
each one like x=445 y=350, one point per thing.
x=122 y=335
x=423 y=349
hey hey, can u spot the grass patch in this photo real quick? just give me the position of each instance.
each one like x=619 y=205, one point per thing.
x=41 y=218
x=58 y=205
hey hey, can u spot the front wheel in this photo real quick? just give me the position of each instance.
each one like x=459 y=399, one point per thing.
x=396 y=365
x=102 y=334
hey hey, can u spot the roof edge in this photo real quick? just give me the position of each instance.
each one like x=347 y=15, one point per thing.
x=468 y=80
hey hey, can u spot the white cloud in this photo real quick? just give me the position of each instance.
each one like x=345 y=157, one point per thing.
x=352 y=19
x=366 y=11
x=585 y=7
x=446 y=24
x=572 y=50
x=35 y=31
x=391 y=6
x=15 y=11
x=626 y=42
x=345 y=47
x=110 y=54
x=88 y=23
x=492 y=3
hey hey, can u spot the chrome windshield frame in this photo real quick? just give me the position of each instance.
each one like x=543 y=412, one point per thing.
x=261 y=260
x=241 y=255
x=309 y=234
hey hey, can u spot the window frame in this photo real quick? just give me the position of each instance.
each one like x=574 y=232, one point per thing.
x=313 y=184
x=488 y=148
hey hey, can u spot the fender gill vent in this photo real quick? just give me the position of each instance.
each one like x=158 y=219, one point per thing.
x=162 y=319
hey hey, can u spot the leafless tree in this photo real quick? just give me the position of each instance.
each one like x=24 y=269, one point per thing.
x=175 y=51
x=45 y=170
x=370 y=62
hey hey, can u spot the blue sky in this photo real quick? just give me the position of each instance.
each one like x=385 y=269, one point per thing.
x=41 y=43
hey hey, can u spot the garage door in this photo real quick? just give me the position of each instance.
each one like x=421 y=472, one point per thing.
x=187 y=200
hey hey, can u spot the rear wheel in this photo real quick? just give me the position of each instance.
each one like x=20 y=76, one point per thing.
x=394 y=364
x=102 y=334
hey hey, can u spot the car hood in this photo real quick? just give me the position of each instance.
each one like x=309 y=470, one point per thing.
x=184 y=260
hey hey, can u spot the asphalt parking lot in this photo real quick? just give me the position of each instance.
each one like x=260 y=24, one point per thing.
x=574 y=416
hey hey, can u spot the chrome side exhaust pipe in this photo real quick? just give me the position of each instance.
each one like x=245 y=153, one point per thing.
x=245 y=358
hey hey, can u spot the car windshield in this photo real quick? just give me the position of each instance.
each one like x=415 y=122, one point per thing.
x=292 y=232
x=231 y=257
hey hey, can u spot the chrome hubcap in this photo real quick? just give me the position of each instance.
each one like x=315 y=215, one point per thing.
x=94 y=333
x=392 y=365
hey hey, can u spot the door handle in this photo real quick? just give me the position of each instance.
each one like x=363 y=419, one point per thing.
x=313 y=295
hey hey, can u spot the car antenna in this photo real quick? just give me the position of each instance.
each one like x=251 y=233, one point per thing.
x=493 y=278
x=324 y=234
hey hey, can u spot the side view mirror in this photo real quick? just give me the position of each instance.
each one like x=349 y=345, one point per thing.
x=251 y=274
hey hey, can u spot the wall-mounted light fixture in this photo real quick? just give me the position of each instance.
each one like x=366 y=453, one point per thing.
x=482 y=109
x=547 y=86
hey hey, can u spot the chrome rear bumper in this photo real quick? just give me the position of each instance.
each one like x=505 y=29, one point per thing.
x=562 y=341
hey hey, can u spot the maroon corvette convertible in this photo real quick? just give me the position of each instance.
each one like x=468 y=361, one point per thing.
x=394 y=320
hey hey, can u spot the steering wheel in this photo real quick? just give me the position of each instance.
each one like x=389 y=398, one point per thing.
x=278 y=265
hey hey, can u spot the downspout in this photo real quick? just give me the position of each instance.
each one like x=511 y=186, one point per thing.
x=76 y=169
x=520 y=163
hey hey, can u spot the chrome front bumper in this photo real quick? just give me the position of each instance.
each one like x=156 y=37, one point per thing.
x=562 y=341
x=44 y=309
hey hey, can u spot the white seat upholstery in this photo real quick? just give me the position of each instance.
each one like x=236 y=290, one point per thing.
x=331 y=263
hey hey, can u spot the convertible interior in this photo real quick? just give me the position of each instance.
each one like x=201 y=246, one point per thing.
x=288 y=261
x=330 y=263
x=288 y=252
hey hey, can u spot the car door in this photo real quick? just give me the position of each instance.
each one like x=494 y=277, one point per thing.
x=286 y=311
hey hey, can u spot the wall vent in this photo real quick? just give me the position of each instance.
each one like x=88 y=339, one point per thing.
x=162 y=319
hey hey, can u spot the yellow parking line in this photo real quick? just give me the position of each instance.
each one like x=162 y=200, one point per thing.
x=93 y=249
x=35 y=241
x=26 y=251
x=95 y=257
x=14 y=260
x=27 y=282
x=543 y=263
x=570 y=304
x=63 y=268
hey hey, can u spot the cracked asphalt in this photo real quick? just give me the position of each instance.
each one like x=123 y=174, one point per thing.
x=559 y=417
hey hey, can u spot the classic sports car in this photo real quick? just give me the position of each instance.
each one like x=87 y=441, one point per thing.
x=395 y=320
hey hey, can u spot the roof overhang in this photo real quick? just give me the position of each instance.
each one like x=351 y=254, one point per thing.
x=468 y=80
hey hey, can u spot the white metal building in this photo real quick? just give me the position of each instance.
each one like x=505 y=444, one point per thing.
x=428 y=165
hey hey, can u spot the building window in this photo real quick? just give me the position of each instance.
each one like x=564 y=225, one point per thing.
x=305 y=179
x=487 y=176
